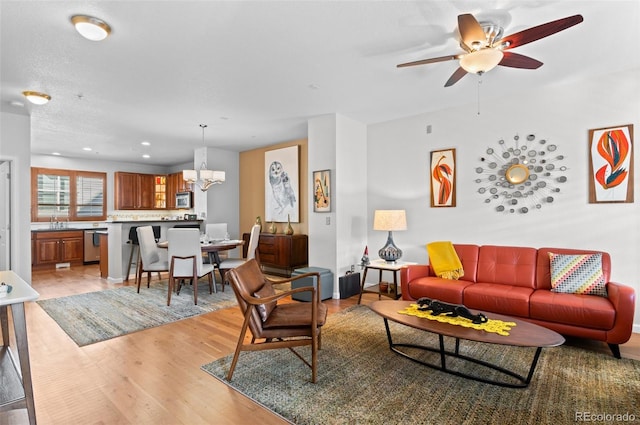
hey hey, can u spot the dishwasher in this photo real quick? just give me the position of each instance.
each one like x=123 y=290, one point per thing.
x=91 y=246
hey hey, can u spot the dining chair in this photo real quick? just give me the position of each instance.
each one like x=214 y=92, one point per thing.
x=152 y=258
x=276 y=325
x=217 y=231
x=231 y=263
x=186 y=261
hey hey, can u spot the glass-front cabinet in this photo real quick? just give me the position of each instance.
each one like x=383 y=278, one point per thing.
x=160 y=192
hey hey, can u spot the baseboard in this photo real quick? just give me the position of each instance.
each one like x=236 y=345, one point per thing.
x=636 y=329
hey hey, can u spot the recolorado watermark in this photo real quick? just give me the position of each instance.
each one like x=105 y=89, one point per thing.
x=604 y=417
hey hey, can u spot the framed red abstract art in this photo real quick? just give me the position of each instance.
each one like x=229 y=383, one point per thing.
x=443 y=178
x=611 y=164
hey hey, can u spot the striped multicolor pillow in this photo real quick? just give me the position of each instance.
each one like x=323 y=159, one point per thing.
x=577 y=274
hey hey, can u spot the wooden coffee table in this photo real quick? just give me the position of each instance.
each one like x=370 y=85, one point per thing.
x=524 y=334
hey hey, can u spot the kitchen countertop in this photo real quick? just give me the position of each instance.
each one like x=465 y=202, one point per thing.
x=69 y=229
x=155 y=221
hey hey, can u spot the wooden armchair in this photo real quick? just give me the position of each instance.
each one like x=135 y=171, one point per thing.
x=283 y=325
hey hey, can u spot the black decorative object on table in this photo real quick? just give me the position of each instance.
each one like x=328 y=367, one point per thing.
x=453 y=310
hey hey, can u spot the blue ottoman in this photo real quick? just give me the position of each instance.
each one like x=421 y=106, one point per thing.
x=326 y=278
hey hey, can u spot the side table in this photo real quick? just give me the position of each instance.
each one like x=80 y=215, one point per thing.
x=382 y=266
x=18 y=392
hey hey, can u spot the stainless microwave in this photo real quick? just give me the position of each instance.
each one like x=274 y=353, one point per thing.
x=183 y=200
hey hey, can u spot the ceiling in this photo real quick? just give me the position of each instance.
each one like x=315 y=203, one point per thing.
x=255 y=72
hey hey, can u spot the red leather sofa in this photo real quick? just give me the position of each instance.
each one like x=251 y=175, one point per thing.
x=516 y=281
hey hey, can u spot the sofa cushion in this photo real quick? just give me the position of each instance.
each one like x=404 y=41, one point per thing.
x=509 y=265
x=498 y=298
x=573 y=309
x=543 y=273
x=449 y=291
x=577 y=274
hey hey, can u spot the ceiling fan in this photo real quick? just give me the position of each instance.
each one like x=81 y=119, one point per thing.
x=485 y=48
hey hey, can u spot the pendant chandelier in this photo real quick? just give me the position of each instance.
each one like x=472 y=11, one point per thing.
x=203 y=178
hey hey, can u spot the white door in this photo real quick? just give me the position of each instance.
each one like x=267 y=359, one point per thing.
x=5 y=215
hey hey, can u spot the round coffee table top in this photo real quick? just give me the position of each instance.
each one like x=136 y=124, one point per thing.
x=524 y=334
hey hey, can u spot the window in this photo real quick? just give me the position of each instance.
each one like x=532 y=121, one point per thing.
x=67 y=195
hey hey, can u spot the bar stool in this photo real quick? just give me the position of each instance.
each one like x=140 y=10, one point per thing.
x=133 y=241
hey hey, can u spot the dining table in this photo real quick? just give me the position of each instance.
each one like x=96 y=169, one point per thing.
x=212 y=248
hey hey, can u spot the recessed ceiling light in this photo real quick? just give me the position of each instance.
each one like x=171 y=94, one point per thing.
x=86 y=149
x=91 y=28
x=16 y=103
x=146 y=156
x=55 y=153
x=145 y=143
x=36 y=97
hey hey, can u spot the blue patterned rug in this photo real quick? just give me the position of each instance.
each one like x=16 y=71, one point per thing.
x=98 y=316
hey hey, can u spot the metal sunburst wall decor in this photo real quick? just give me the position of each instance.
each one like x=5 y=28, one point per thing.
x=522 y=175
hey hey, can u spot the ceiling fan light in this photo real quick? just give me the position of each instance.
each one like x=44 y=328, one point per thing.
x=481 y=61
x=36 y=98
x=91 y=28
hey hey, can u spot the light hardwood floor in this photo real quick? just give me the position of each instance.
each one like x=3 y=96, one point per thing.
x=149 y=377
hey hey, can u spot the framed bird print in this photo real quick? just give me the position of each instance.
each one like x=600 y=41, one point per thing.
x=443 y=178
x=281 y=185
x=611 y=165
x=322 y=191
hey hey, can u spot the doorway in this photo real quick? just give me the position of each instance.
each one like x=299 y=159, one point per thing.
x=5 y=215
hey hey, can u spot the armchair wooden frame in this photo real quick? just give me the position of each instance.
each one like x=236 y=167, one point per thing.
x=288 y=325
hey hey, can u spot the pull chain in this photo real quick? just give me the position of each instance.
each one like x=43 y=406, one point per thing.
x=479 y=84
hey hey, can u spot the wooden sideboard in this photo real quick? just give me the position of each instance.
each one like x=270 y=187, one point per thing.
x=284 y=253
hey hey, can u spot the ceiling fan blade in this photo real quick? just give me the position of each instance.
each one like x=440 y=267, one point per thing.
x=515 y=60
x=426 y=61
x=540 y=31
x=455 y=77
x=470 y=30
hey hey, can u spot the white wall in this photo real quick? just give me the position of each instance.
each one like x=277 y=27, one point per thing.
x=15 y=145
x=322 y=156
x=350 y=193
x=337 y=238
x=223 y=200
x=398 y=177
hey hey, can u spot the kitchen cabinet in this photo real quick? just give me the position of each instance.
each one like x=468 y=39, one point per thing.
x=175 y=184
x=134 y=191
x=104 y=254
x=56 y=247
x=160 y=192
x=281 y=252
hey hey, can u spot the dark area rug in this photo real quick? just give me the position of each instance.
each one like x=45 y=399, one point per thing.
x=98 y=316
x=360 y=381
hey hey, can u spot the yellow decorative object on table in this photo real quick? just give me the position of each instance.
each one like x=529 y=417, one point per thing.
x=444 y=260
x=494 y=326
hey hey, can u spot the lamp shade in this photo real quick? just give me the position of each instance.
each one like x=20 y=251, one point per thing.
x=218 y=176
x=481 y=61
x=206 y=174
x=190 y=175
x=390 y=220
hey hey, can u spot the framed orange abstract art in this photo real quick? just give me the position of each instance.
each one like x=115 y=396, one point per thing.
x=611 y=164
x=443 y=178
x=322 y=191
